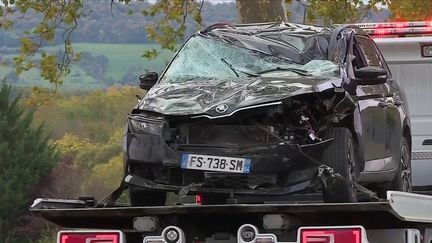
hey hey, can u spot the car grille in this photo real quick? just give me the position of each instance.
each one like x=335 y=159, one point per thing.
x=227 y=134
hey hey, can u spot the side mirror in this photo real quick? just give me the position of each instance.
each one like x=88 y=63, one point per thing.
x=148 y=80
x=370 y=76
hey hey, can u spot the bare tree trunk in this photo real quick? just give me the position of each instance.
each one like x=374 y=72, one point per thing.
x=255 y=11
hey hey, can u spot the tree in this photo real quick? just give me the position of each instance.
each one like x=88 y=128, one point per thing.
x=270 y=10
x=26 y=156
x=411 y=10
x=55 y=16
x=340 y=11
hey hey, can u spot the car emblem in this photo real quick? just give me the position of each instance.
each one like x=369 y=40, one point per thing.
x=221 y=108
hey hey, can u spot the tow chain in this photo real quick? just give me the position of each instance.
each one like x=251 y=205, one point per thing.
x=112 y=198
x=324 y=171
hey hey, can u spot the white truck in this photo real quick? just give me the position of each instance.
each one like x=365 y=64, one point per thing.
x=407 y=48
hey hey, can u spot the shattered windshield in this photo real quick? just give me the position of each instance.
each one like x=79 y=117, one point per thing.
x=207 y=59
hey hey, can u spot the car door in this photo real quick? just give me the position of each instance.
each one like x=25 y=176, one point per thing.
x=371 y=102
x=394 y=111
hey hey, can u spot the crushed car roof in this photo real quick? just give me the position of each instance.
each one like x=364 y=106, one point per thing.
x=297 y=42
x=298 y=45
x=265 y=27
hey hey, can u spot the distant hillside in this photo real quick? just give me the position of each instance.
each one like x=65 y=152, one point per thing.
x=103 y=24
x=112 y=44
x=100 y=66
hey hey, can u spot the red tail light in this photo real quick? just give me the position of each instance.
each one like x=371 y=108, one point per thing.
x=343 y=235
x=90 y=237
x=198 y=199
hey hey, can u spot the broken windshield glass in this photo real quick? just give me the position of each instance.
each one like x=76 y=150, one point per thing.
x=204 y=59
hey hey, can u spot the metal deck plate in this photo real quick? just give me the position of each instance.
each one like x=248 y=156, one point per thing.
x=401 y=210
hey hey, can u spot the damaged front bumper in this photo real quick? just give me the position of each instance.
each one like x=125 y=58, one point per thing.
x=277 y=168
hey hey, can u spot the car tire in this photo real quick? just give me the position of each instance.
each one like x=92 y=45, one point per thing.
x=146 y=198
x=403 y=178
x=340 y=155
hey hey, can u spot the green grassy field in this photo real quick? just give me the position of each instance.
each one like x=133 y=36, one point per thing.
x=122 y=57
x=125 y=56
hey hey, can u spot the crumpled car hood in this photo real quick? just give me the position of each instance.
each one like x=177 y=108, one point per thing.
x=203 y=97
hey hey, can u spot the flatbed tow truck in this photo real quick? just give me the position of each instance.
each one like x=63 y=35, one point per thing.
x=400 y=218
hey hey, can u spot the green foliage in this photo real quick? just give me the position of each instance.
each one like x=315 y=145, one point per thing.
x=104 y=177
x=340 y=11
x=48 y=236
x=60 y=19
x=171 y=26
x=57 y=15
x=101 y=160
x=351 y=11
x=94 y=116
x=268 y=10
x=411 y=10
x=26 y=156
x=88 y=130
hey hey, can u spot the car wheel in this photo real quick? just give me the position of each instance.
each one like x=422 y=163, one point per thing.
x=146 y=198
x=340 y=155
x=403 y=177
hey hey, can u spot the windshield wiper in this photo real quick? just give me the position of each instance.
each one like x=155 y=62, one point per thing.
x=236 y=71
x=294 y=70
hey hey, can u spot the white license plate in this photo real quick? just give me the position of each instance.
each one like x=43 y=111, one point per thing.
x=215 y=163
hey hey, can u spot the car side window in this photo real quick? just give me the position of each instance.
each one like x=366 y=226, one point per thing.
x=372 y=58
x=381 y=57
x=358 y=61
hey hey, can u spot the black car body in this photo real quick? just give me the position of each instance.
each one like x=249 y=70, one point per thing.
x=247 y=110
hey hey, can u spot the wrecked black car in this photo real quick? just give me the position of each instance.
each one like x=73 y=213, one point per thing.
x=252 y=112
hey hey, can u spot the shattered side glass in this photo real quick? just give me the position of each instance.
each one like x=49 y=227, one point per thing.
x=323 y=68
x=208 y=59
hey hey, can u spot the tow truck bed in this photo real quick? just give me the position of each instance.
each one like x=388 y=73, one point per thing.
x=400 y=210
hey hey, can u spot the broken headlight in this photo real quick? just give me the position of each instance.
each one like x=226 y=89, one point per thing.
x=150 y=126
